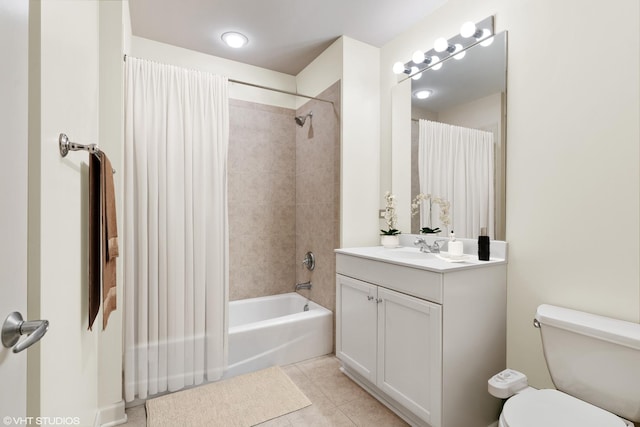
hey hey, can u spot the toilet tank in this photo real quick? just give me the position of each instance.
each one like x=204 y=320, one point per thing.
x=593 y=358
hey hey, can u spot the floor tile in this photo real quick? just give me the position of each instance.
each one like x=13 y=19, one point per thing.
x=336 y=400
x=304 y=383
x=276 y=422
x=368 y=412
x=136 y=417
x=339 y=388
x=321 y=413
x=320 y=367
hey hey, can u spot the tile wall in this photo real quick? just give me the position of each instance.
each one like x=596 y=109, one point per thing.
x=284 y=192
x=262 y=197
x=318 y=195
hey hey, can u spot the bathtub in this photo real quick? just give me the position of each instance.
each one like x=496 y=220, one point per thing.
x=275 y=330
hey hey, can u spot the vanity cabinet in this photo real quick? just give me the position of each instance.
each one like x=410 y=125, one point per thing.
x=423 y=341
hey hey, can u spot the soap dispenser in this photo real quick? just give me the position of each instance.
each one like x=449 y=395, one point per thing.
x=483 y=245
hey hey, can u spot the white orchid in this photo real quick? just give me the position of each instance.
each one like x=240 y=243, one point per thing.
x=390 y=215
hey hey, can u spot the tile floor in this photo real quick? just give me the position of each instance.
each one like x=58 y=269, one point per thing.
x=336 y=400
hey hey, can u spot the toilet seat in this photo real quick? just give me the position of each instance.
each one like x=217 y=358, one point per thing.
x=552 y=408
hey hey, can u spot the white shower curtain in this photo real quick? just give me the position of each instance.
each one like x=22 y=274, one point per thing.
x=175 y=228
x=457 y=164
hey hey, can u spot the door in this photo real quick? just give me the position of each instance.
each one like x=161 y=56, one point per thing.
x=356 y=326
x=410 y=353
x=13 y=198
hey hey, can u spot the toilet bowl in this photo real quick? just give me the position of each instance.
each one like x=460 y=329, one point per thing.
x=594 y=362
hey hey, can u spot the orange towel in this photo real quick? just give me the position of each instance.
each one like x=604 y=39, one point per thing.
x=110 y=239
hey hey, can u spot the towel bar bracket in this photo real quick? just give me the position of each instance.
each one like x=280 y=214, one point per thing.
x=66 y=146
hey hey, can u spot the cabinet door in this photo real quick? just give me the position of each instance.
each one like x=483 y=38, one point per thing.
x=356 y=326
x=410 y=353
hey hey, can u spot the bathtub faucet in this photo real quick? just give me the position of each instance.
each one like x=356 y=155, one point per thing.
x=305 y=285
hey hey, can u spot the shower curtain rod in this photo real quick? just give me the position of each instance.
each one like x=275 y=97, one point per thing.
x=267 y=88
x=278 y=90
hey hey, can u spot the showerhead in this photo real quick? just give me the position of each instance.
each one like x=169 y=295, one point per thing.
x=301 y=119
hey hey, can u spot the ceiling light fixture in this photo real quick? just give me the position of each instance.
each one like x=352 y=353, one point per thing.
x=456 y=47
x=441 y=44
x=399 y=68
x=422 y=94
x=418 y=57
x=234 y=39
x=469 y=30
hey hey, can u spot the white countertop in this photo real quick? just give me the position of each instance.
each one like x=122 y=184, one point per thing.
x=410 y=256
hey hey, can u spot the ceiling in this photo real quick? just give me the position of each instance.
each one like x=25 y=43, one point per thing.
x=284 y=35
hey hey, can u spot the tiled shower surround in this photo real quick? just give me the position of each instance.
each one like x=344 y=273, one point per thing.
x=284 y=184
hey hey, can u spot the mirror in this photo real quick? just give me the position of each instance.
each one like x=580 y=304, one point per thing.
x=469 y=93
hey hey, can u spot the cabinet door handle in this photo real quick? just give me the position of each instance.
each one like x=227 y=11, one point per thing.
x=379 y=300
x=369 y=297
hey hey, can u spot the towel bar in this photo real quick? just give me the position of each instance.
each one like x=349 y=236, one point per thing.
x=65 y=146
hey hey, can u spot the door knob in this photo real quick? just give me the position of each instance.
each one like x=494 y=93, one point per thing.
x=14 y=326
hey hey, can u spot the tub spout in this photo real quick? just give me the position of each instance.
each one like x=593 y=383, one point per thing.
x=305 y=285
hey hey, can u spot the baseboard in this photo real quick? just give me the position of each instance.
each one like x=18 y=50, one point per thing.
x=111 y=415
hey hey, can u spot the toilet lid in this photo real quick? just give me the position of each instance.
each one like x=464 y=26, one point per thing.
x=552 y=408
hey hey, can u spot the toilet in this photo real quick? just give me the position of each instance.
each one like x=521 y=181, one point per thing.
x=594 y=362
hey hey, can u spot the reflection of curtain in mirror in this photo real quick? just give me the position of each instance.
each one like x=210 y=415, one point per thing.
x=456 y=164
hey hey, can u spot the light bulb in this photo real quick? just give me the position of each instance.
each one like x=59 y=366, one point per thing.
x=415 y=73
x=234 y=40
x=486 y=37
x=422 y=94
x=440 y=45
x=418 y=57
x=468 y=29
x=398 y=68
x=435 y=60
x=459 y=54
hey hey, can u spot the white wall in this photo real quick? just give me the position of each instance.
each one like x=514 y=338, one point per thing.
x=360 y=156
x=349 y=60
x=75 y=85
x=110 y=137
x=322 y=72
x=573 y=184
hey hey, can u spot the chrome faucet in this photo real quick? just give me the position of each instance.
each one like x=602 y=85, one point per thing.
x=426 y=248
x=305 y=285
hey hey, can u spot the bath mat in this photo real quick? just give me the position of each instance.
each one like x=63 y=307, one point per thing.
x=245 y=400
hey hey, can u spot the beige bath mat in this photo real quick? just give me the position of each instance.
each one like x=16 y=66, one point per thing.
x=241 y=401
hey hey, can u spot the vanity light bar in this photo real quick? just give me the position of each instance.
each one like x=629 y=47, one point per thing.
x=470 y=34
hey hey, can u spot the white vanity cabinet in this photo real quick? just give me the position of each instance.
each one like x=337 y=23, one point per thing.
x=423 y=338
x=392 y=340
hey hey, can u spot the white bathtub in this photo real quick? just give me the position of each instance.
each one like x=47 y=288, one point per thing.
x=275 y=330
